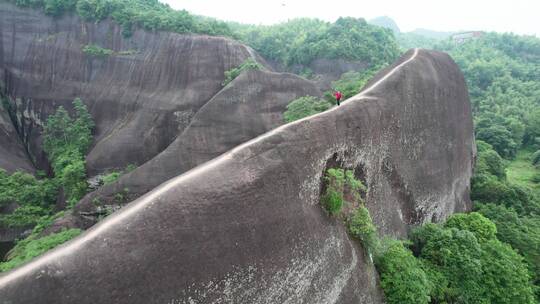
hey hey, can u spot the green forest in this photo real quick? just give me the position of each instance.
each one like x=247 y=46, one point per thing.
x=491 y=255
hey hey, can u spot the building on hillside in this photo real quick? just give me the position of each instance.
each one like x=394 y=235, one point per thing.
x=464 y=36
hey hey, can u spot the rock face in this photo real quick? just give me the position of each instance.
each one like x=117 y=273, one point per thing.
x=249 y=106
x=157 y=100
x=247 y=226
x=141 y=96
x=12 y=152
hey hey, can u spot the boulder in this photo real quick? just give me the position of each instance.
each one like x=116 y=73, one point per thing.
x=247 y=226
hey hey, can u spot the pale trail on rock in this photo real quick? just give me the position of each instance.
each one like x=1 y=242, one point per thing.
x=150 y=197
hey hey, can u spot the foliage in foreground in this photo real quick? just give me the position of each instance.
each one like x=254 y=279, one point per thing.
x=459 y=262
x=402 y=277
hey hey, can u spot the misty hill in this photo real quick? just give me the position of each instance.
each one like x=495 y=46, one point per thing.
x=438 y=35
x=417 y=38
x=386 y=22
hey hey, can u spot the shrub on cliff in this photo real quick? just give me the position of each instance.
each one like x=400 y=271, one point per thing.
x=361 y=227
x=303 y=107
x=231 y=74
x=24 y=189
x=66 y=140
x=333 y=197
x=96 y=51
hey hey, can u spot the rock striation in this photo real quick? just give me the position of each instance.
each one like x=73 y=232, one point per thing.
x=247 y=226
x=141 y=96
x=249 y=106
x=13 y=154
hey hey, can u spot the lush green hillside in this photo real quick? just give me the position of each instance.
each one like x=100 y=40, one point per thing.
x=300 y=41
x=503 y=75
x=146 y=14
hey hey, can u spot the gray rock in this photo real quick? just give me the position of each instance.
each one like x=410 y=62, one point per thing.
x=134 y=95
x=249 y=106
x=12 y=152
x=247 y=227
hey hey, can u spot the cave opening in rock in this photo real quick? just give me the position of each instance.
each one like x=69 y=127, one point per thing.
x=343 y=187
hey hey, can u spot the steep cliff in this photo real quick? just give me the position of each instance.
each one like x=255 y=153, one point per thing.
x=247 y=226
x=141 y=96
x=13 y=155
x=249 y=106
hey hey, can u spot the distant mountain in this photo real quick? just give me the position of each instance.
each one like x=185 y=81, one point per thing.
x=386 y=22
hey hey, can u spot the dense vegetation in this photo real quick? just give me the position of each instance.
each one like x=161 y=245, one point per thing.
x=34 y=198
x=503 y=74
x=303 y=107
x=150 y=15
x=300 y=41
x=66 y=140
x=459 y=261
x=492 y=255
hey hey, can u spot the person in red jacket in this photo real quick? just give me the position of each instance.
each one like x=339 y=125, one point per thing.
x=338 y=95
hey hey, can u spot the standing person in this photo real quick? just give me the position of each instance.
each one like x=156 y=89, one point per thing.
x=338 y=95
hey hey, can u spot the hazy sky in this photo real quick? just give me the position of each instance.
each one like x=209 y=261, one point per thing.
x=519 y=16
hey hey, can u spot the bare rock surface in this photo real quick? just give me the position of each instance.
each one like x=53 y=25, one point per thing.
x=247 y=226
x=141 y=96
x=249 y=106
x=12 y=152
